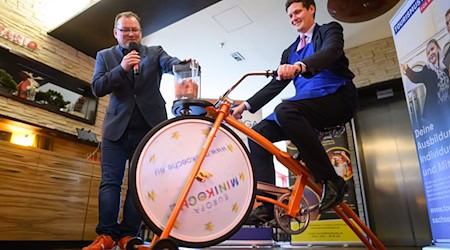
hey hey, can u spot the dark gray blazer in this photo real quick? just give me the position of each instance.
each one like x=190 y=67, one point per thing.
x=328 y=44
x=110 y=78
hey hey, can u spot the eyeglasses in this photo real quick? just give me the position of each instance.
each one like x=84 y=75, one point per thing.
x=128 y=31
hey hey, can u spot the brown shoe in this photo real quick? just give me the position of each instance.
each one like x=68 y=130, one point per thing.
x=102 y=242
x=123 y=242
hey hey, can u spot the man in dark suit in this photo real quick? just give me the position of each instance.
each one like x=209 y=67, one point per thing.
x=325 y=97
x=132 y=77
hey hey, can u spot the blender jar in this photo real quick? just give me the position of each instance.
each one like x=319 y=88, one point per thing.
x=187 y=80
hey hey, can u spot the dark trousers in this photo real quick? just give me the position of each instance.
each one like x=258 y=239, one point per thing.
x=297 y=121
x=114 y=157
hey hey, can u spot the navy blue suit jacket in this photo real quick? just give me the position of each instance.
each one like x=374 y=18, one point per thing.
x=125 y=93
x=328 y=44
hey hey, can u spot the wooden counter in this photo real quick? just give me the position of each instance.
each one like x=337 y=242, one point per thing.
x=47 y=196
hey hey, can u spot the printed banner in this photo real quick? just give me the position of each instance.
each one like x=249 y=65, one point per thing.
x=421 y=32
x=328 y=232
x=328 y=227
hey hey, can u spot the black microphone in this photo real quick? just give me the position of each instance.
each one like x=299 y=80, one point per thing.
x=134 y=46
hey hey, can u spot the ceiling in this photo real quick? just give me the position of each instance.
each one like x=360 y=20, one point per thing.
x=259 y=30
x=96 y=22
x=210 y=31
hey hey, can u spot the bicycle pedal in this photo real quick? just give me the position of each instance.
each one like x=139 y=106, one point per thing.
x=273 y=223
x=309 y=209
x=265 y=224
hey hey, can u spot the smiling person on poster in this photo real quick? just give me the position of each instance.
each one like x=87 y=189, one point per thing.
x=131 y=74
x=325 y=96
x=437 y=83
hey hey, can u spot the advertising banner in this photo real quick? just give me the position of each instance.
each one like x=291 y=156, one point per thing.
x=328 y=228
x=421 y=33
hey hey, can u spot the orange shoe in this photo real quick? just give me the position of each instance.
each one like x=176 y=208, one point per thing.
x=123 y=242
x=102 y=242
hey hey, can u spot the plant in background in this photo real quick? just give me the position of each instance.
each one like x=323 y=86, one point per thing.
x=51 y=97
x=7 y=81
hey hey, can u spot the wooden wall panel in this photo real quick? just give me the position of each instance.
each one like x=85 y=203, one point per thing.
x=16 y=191
x=45 y=195
x=18 y=168
x=92 y=211
x=67 y=147
x=59 y=204
x=64 y=164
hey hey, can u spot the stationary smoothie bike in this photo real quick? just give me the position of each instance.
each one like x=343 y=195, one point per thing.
x=193 y=182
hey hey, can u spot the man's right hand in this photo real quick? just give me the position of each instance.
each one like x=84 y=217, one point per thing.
x=288 y=71
x=129 y=60
x=237 y=111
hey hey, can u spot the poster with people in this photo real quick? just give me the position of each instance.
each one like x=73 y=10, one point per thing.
x=327 y=227
x=421 y=33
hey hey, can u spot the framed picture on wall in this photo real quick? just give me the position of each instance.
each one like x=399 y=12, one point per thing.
x=26 y=80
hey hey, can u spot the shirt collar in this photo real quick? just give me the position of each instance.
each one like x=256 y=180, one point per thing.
x=124 y=51
x=309 y=33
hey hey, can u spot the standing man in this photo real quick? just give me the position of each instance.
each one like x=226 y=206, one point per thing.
x=132 y=77
x=325 y=96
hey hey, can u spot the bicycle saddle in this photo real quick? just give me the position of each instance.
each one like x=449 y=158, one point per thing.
x=333 y=132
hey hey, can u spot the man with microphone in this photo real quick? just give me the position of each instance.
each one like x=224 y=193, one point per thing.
x=131 y=74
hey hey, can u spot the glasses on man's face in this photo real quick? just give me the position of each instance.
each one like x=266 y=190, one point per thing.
x=128 y=31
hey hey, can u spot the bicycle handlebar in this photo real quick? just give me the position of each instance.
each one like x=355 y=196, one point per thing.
x=267 y=73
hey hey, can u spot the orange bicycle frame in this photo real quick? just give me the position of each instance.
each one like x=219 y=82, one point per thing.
x=304 y=178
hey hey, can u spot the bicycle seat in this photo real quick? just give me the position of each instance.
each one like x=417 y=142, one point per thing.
x=334 y=131
x=190 y=107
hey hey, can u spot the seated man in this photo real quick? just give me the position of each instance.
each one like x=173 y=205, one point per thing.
x=325 y=97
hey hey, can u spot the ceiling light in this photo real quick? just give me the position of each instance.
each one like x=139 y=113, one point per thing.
x=237 y=56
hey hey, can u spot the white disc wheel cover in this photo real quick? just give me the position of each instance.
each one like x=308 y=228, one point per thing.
x=213 y=207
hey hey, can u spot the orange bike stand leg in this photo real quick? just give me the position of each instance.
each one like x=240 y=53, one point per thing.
x=348 y=211
x=354 y=228
x=355 y=217
x=154 y=240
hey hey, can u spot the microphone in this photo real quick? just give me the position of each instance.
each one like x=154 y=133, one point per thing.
x=134 y=46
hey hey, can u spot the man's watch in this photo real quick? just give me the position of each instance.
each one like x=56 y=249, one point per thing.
x=302 y=66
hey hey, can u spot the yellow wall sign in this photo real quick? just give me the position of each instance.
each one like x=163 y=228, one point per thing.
x=326 y=231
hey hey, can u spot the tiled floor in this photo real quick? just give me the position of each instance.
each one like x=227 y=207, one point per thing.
x=79 y=245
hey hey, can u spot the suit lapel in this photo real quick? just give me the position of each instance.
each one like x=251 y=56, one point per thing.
x=119 y=55
x=314 y=37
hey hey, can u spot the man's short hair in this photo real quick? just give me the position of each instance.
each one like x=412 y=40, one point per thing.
x=306 y=3
x=127 y=14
